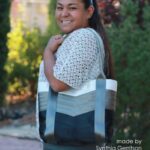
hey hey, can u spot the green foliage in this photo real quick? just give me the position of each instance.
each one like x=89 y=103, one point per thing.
x=131 y=53
x=4 y=29
x=53 y=28
x=25 y=52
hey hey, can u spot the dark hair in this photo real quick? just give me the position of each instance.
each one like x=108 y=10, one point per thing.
x=95 y=23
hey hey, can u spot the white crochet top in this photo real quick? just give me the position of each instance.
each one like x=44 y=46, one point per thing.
x=79 y=58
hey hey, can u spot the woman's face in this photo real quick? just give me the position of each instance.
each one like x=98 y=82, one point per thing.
x=71 y=15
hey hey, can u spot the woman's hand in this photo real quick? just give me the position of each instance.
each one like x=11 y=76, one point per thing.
x=54 y=43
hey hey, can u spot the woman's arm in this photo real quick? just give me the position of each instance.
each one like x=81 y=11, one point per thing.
x=78 y=60
x=49 y=62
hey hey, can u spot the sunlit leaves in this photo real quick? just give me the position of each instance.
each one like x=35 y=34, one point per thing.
x=25 y=53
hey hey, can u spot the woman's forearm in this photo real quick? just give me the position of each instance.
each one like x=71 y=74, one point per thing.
x=49 y=62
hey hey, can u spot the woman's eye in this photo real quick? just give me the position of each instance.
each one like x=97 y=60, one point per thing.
x=59 y=8
x=73 y=8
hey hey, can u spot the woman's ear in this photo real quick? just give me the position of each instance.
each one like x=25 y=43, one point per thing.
x=90 y=11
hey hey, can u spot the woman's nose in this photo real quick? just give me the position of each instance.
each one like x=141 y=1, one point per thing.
x=65 y=13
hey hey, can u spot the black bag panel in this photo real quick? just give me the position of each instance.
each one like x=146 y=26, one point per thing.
x=109 y=118
x=42 y=123
x=69 y=129
x=79 y=128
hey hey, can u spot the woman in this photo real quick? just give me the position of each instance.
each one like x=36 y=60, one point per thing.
x=73 y=59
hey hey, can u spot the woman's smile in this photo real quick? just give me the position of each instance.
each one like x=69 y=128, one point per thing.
x=66 y=22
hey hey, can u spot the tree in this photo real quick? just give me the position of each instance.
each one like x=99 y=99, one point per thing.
x=5 y=28
x=130 y=44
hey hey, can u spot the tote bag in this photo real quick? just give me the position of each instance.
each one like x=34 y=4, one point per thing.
x=60 y=125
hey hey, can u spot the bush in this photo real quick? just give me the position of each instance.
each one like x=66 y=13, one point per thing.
x=25 y=53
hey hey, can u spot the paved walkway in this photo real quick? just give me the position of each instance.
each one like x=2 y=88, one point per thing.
x=19 y=135
x=12 y=143
x=24 y=131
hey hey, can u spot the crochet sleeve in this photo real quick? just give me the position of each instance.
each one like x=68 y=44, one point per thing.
x=74 y=63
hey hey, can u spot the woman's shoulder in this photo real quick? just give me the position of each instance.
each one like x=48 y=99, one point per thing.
x=82 y=33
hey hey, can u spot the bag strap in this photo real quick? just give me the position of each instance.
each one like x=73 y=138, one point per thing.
x=100 y=45
x=99 y=115
x=50 y=116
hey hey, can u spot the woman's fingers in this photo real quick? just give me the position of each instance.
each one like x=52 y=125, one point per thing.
x=54 y=43
x=58 y=38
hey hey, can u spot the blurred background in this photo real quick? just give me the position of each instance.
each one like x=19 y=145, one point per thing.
x=26 y=26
